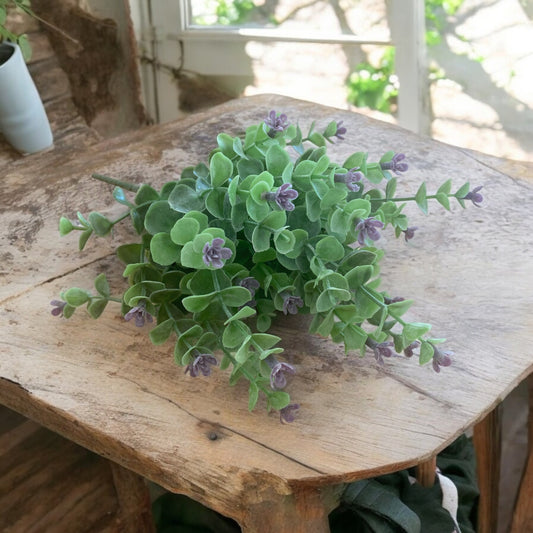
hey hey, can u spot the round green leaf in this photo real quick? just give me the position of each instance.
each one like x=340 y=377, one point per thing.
x=164 y=251
x=329 y=249
x=184 y=230
x=221 y=169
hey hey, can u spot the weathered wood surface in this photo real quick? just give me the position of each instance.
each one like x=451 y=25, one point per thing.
x=48 y=483
x=103 y=385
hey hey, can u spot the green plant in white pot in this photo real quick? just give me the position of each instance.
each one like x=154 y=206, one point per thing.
x=23 y=120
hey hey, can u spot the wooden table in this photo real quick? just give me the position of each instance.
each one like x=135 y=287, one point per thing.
x=104 y=386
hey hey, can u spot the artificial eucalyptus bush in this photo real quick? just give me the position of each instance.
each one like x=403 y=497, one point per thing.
x=268 y=226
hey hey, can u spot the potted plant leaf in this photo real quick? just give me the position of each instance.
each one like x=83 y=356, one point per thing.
x=269 y=226
x=23 y=119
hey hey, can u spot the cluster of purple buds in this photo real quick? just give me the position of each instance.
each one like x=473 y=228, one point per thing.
x=140 y=314
x=276 y=123
x=396 y=164
x=381 y=350
x=350 y=178
x=214 y=253
x=409 y=351
x=252 y=285
x=201 y=365
x=368 y=229
x=291 y=304
x=283 y=197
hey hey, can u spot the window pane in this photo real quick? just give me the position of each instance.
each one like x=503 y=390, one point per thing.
x=360 y=17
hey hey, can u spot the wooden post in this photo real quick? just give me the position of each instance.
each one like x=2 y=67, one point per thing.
x=407 y=26
x=487 y=443
x=523 y=511
x=135 y=512
x=426 y=472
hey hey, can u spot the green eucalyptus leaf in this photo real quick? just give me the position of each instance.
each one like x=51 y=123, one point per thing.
x=84 y=237
x=184 y=199
x=235 y=296
x=235 y=334
x=421 y=198
x=184 y=230
x=101 y=285
x=162 y=331
x=197 y=303
x=414 y=330
x=244 y=312
x=329 y=249
x=160 y=217
x=100 y=224
x=220 y=169
x=253 y=395
x=65 y=226
x=276 y=160
x=284 y=241
x=278 y=400
x=146 y=194
x=426 y=352
x=76 y=297
x=96 y=307
x=164 y=251
x=130 y=253
x=443 y=200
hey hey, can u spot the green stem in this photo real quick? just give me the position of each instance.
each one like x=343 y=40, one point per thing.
x=132 y=187
x=408 y=198
x=382 y=305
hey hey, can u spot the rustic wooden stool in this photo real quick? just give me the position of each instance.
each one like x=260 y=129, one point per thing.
x=103 y=385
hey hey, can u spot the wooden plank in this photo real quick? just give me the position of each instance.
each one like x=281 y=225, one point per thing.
x=103 y=385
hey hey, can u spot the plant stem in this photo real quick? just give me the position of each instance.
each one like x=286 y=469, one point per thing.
x=132 y=187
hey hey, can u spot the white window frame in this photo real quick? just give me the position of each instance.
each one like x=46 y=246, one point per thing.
x=171 y=42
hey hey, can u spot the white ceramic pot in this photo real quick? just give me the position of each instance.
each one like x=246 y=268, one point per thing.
x=23 y=120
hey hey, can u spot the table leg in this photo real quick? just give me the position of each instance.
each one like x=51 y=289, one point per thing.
x=305 y=511
x=523 y=511
x=135 y=513
x=426 y=472
x=487 y=443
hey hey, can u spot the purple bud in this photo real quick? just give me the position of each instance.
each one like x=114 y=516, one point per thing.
x=201 y=365
x=59 y=305
x=212 y=254
x=475 y=196
x=291 y=304
x=396 y=164
x=441 y=358
x=409 y=351
x=140 y=314
x=283 y=197
x=383 y=349
x=410 y=232
x=287 y=414
x=275 y=123
x=278 y=380
x=368 y=229
x=350 y=178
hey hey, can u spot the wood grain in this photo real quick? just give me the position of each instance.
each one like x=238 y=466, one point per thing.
x=103 y=385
